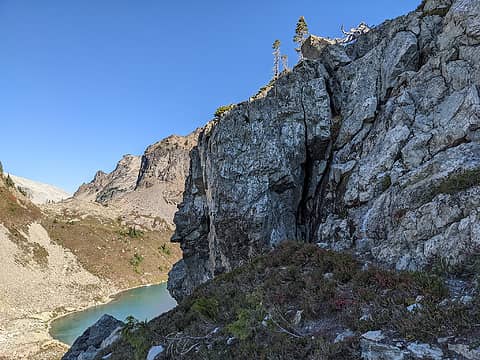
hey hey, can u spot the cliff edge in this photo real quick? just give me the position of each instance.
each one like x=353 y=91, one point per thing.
x=372 y=147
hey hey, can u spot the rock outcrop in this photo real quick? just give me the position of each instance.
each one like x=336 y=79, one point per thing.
x=98 y=336
x=373 y=146
x=146 y=188
x=167 y=162
x=107 y=187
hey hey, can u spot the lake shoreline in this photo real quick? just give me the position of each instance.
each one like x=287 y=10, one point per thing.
x=108 y=300
x=30 y=337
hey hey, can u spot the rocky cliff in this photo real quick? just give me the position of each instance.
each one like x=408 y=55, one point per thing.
x=373 y=146
x=146 y=188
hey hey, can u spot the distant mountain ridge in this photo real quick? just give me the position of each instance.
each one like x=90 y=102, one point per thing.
x=145 y=187
x=40 y=193
x=105 y=187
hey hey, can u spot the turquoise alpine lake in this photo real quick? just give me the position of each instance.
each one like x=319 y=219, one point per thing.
x=144 y=303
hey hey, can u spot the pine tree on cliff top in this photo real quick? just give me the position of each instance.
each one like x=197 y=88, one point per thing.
x=285 y=62
x=9 y=181
x=301 y=32
x=276 y=58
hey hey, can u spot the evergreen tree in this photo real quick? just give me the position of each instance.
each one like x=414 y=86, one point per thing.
x=9 y=181
x=301 y=33
x=276 y=58
x=285 y=62
x=1 y=168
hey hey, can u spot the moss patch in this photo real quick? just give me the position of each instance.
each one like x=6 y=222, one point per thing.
x=455 y=182
x=459 y=181
x=206 y=307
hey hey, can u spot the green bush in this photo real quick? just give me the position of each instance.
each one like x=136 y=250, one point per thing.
x=223 y=109
x=135 y=261
x=138 y=335
x=207 y=307
x=132 y=232
x=165 y=249
x=247 y=323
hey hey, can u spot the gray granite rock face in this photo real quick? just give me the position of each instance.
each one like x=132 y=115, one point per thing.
x=373 y=147
x=95 y=338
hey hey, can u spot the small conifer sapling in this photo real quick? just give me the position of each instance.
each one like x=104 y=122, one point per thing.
x=284 y=58
x=276 y=58
x=301 y=33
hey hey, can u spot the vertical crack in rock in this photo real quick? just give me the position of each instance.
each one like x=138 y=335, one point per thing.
x=302 y=234
x=311 y=209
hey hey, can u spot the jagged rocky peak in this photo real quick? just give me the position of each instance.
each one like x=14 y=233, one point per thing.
x=164 y=163
x=372 y=146
x=147 y=188
x=105 y=187
x=100 y=176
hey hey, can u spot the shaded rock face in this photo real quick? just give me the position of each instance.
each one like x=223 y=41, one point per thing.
x=94 y=339
x=373 y=147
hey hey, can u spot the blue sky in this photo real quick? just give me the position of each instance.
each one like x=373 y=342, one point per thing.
x=84 y=82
